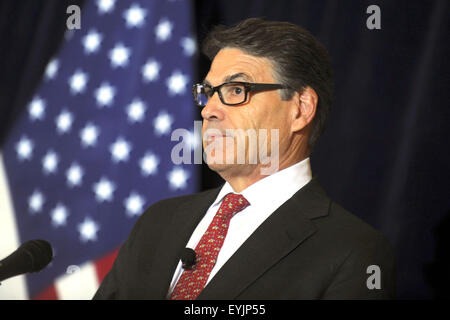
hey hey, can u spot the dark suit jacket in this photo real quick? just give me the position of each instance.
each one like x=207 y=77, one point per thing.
x=309 y=248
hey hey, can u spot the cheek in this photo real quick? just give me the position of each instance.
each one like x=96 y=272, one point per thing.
x=241 y=120
x=268 y=112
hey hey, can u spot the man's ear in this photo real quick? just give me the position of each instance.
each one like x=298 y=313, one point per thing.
x=305 y=106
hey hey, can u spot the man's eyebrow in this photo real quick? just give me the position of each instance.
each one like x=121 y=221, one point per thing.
x=236 y=76
x=231 y=78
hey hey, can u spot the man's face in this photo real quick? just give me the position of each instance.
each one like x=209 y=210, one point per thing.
x=262 y=110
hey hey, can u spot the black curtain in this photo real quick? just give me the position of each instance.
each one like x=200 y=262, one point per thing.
x=384 y=155
x=30 y=33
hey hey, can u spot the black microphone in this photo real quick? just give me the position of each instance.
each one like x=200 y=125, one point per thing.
x=32 y=256
x=188 y=258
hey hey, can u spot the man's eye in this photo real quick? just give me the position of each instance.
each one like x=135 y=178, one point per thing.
x=237 y=90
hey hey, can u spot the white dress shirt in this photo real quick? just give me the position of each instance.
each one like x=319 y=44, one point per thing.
x=264 y=196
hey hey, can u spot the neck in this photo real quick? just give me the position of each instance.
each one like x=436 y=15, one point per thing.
x=243 y=176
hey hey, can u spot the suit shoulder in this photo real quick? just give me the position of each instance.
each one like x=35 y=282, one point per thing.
x=346 y=228
x=158 y=215
x=170 y=205
x=353 y=245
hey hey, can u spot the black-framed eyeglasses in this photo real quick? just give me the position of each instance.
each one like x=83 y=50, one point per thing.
x=230 y=93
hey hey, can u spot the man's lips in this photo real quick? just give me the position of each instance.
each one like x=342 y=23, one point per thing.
x=214 y=137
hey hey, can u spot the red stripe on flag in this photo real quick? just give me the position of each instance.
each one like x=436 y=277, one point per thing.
x=48 y=294
x=104 y=264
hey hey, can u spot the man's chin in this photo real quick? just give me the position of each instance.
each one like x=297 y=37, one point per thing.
x=228 y=167
x=219 y=166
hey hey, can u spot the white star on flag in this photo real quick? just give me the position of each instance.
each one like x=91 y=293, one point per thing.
x=36 y=109
x=91 y=42
x=52 y=69
x=24 y=148
x=105 y=94
x=134 y=204
x=64 y=122
x=162 y=123
x=120 y=150
x=135 y=16
x=50 y=162
x=36 y=201
x=177 y=178
x=149 y=164
x=59 y=215
x=119 y=55
x=74 y=175
x=89 y=135
x=88 y=230
x=105 y=6
x=77 y=82
x=136 y=110
x=189 y=46
x=150 y=70
x=104 y=190
x=163 y=30
x=176 y=83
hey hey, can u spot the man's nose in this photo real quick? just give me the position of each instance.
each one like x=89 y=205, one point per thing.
x=214 y=109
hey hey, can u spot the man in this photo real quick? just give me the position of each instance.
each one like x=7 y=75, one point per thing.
x=270 y=232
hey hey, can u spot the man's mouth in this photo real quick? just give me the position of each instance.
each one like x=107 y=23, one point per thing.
x=214 y=135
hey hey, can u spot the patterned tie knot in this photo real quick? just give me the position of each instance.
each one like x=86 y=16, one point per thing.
x=232 y=204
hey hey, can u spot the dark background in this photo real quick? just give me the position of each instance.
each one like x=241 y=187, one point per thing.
x=385 y=153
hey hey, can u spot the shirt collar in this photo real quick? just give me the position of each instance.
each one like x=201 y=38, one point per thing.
x=283 y=182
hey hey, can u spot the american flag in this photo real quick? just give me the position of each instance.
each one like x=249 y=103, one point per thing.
x=92 y=149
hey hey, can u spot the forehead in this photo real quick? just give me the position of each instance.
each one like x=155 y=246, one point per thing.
x=234 y=64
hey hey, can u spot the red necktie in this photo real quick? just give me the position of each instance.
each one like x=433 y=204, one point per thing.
x=192 y=281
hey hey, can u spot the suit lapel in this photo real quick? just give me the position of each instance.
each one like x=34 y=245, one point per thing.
x=282 y=232
x=183 y=223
